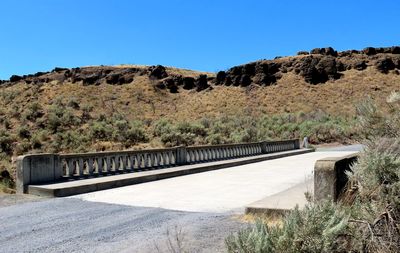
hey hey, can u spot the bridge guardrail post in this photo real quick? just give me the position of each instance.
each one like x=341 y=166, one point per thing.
x=40 y=168
x=263 y=145
x=181 y=155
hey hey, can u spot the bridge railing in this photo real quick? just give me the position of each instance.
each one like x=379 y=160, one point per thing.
x=47 y=168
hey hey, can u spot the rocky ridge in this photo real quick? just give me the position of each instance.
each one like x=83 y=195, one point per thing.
x=316 y=67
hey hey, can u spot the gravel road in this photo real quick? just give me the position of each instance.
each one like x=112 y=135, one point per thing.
x=73 y=225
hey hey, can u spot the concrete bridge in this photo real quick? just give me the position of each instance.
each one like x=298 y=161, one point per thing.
x=136 y=218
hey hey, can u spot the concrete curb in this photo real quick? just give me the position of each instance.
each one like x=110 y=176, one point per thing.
x=282 y=203
x=64 y=189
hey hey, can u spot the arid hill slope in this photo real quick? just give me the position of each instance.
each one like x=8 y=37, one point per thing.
x=323 y=79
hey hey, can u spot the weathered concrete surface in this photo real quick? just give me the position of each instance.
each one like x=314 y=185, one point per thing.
x=329 y=176
x=34 y=169
x=282 y=202
x=227 y=190
x=72 y=225
x=102 y=183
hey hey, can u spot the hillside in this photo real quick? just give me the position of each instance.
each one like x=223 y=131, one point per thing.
x=324 y=79
x=114 y=107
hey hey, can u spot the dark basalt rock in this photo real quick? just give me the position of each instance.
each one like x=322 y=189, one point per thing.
x=228 y=81
x=113 y=78
x=170 y=85
x=58 y=69
x=360 y=65
x=220 y=79
x=249 y=69
x=303 y=53
x=91 y=79
x=236 y=80
x=201 y=83
x=369 y=51
x=384 y=65
x=15 y=78
x=324 y=51
x=188 y=83
x=245 y=81
x=317 y=70
x=395 y=50
x=235 y=71
x=157 y=72
x=340 y=66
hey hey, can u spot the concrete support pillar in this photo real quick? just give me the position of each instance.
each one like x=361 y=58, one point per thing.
x=181 y=155
x=35 y=169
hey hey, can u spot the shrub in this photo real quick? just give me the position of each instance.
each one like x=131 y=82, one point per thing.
x=33 y=112
x=313 y=229
x=367 y=220
x=101 y=130
x=162 y=127
x=6 y=142
x=135 y=134
x=73 y=103
x=23 y=132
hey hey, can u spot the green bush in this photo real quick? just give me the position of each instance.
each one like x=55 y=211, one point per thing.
x=23 y=132
x=312 y=230
x=33 y=112
x=134 y=134
x=6 y=142
x=101 y=130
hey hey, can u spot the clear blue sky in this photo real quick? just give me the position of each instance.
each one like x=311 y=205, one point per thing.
x=209 y=35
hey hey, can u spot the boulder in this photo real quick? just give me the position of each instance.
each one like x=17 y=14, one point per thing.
x=360 y=65
x=125 y=79
x=170 y=85
x=235 y=71
x=220 y=79
x=236 y=80
x=273 y=68
x=157 y=72
x=201 y=83
x=245 y=81
x=91 y=79
x=39 y=74
x=324 y=51
x=384 y=65
x=340 y=66
x=249 y=69
x=188 y=83
x=113 y=78
x=15 y=78
x=58 y=69
x=395 y=50
x=303 y=53
x=228 y=81
x=327 y=65
x=369 y=51
x=262 y=67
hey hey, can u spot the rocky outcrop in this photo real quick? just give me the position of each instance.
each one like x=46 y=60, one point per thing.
x=315 y=67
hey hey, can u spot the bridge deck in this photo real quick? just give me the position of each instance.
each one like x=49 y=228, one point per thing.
x=74 y=187
x=227 y=190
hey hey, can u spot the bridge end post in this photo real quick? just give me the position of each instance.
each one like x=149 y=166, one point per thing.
x=330 y=176
x=33 y=169
x=297 y=144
